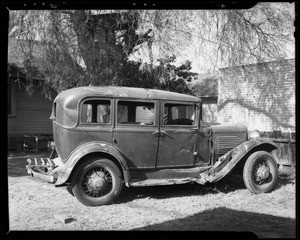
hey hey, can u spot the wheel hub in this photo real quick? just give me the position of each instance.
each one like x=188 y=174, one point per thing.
x=263 y=172
x=97 y=182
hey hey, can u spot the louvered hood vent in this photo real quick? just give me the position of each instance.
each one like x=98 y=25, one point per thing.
x=226 y=143
x=226 y=137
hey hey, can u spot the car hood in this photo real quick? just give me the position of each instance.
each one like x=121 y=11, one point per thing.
x=226 y=127
x=225 y=136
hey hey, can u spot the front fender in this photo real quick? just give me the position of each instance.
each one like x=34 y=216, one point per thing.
x=85 y=149
x=228 y=161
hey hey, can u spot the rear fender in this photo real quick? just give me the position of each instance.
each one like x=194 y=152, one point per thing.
x=228 y=161
x=91 y=148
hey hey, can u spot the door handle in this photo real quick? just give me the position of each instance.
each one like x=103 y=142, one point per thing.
x=160 y=134
x=164 y=134
x=156 y=133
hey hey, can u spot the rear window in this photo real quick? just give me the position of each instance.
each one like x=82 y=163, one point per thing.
x=96 y=112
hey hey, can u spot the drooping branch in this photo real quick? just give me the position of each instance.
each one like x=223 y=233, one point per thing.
x=91 y=47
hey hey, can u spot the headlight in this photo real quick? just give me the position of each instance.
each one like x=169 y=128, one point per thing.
x=253 y=134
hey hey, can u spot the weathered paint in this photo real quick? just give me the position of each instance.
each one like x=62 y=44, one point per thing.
x=177 y=143
x=92 y=147
x=67 y=102
x=71 y=138
x=148 y=154
x=167 y=173
x=139 y=143
x=177 y=148
x=156 y=182
x=229 y=160
x=68 y=131
x=226 y=137
x=74 y=140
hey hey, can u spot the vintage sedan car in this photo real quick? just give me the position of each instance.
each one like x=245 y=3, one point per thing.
x=110 y=137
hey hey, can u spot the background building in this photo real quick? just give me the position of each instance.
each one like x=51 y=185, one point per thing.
x=27 y=114
x=262 y=97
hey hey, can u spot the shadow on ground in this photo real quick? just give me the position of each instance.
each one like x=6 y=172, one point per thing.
x=16 y=163
x=228 y=220
x=228 y=184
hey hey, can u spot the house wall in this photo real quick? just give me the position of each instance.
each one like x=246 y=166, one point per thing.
x=260 y=96
x=31 y=117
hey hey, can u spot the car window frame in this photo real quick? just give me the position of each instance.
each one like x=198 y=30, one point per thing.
x=194 y=104
x=93 y=124
x=153 y=101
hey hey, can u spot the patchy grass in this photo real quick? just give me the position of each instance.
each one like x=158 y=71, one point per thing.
x=226 y=206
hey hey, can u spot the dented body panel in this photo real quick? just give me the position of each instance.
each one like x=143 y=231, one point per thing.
x=176 y=148
x=228 y=161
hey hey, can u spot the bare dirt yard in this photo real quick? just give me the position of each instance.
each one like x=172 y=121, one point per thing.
x=226 y=206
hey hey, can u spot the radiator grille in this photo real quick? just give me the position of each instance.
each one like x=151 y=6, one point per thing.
x=226 y=143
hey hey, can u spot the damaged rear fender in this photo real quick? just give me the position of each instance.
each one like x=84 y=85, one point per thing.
x=228 y=161
x=89 y=149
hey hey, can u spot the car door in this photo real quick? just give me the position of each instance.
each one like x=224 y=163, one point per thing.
x=178 y=134
x=136 y=125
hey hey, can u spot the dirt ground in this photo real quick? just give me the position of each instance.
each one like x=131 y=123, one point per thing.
x=226 y=206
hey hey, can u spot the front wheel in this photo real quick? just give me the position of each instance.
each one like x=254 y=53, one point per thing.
x=260 y=172
x=97 y=182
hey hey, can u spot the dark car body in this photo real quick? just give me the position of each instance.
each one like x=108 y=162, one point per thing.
x=154 y=137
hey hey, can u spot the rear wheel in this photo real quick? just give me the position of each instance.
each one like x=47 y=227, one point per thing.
x=97 y=182
x=260 y=172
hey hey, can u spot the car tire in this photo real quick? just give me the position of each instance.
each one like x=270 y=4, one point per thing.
x=260 y=172
x=97 y=182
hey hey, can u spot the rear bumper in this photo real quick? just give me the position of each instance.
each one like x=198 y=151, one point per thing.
x=44 y=169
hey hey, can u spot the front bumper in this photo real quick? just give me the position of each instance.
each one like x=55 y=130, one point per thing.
x=44 y=169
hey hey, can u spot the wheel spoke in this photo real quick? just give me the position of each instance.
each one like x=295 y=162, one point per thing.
x=90 y=185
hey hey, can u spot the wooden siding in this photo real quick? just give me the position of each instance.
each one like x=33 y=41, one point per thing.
x=32 y=115
x=259 y=96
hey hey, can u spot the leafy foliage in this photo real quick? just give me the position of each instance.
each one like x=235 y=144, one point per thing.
x=206 y=88
x=81 y=47
x=165 y=76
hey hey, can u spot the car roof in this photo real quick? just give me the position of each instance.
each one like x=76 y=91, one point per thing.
x=123 y=92
x=67 y=101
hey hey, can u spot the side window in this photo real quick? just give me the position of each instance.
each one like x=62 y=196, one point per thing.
x=179 y=114
x=130 y=112
x=96 y=111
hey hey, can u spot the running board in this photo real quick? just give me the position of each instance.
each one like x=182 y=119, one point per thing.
x=156 y=182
